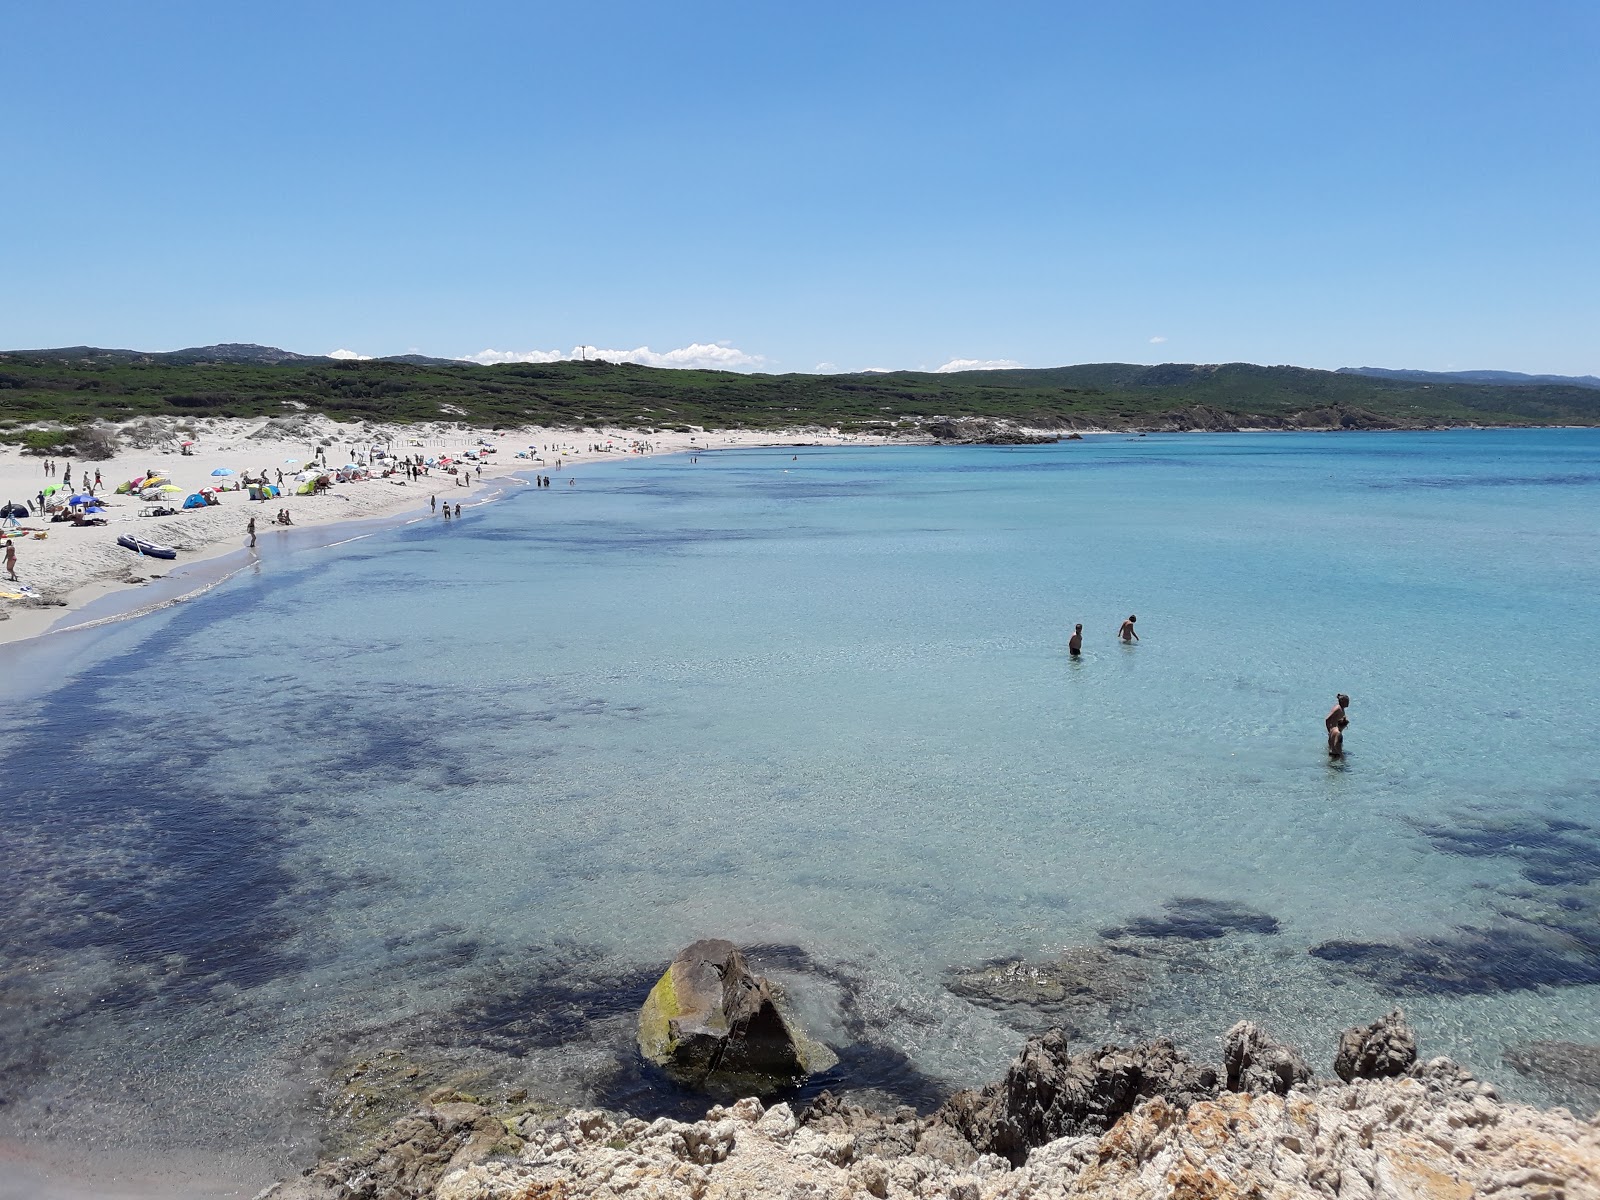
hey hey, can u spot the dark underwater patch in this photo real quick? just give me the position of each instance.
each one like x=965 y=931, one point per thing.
x=1195 y=918
x=1548 y=932
x=1550 y=851
x=1467 y=961
x=563 y=997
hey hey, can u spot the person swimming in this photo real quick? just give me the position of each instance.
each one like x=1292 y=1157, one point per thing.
x=1335 y=723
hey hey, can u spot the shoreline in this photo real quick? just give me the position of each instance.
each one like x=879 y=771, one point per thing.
x=67 y=592
x=72 y=573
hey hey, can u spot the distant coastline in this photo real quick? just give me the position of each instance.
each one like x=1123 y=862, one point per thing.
x=51 y=397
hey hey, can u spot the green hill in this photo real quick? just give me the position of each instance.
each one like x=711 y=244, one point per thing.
x=70 y=387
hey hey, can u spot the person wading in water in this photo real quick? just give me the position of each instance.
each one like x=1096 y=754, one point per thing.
x=1335 y=723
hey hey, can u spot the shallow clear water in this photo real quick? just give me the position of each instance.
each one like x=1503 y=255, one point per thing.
x=472 y=785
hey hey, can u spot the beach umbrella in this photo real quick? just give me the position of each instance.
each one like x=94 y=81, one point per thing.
x=81 y=498
x=223 y=471
x=52 y=489
x=169 y=487
x=291 y=462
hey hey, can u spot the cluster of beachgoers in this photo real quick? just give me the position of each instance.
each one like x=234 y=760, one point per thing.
x=75 y=529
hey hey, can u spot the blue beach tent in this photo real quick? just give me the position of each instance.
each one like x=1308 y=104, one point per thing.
x=195 y=501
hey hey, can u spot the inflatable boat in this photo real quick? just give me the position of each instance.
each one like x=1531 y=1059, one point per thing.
x=139 y=545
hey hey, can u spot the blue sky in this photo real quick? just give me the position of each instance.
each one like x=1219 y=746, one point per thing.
x=793 y=187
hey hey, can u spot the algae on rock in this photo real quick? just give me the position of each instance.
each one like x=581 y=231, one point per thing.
x=712 y=1025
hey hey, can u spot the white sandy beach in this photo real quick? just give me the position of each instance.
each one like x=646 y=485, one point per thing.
x=61 y=567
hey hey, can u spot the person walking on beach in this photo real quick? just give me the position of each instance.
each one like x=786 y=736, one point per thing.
x=1128 y=633
x=97 y=477
x=250 y=528
x=11 y=559
x=1335 y=723
x=1075 y=642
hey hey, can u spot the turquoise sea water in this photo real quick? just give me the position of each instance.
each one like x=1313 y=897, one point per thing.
x=465 y=789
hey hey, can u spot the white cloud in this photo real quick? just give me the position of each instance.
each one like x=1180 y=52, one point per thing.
x=978 y=364
x=825 y=368
x=717 y=356
x=350 y=354
x=1157 y=340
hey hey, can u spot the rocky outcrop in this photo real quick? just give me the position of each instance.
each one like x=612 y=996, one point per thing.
x=1049 y=1092
x=1385 y=1048
x=713 y=1025
x=1114 y=1124
x=981 y=431
x=1254 y=1062
x=889 y=1135
x=1433 y=1135
x=409 y=1158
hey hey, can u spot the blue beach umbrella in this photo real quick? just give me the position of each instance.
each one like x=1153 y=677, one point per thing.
x=223 y=471
x=81 y=498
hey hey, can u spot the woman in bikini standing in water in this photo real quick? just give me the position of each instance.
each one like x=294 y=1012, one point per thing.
x=1335 y=723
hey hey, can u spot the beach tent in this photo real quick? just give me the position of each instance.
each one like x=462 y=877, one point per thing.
x=14 y=510
x=195 y=501
x=308 y=488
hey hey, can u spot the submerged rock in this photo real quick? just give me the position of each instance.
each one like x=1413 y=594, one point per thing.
x=1051 y=992
x=1384 y=1048
x=1255 y=1062
x=1567 y=1067
x=713 y=1025
x=1048 y=1092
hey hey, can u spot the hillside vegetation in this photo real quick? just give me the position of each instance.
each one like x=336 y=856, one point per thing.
x=68 y=388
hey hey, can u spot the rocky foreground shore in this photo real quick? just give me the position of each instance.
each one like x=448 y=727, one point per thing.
x=1141 y=1121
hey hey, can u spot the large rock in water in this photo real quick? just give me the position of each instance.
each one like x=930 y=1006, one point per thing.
x=1049 y=1093
x=1385 y=1048
x=714 y=1026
